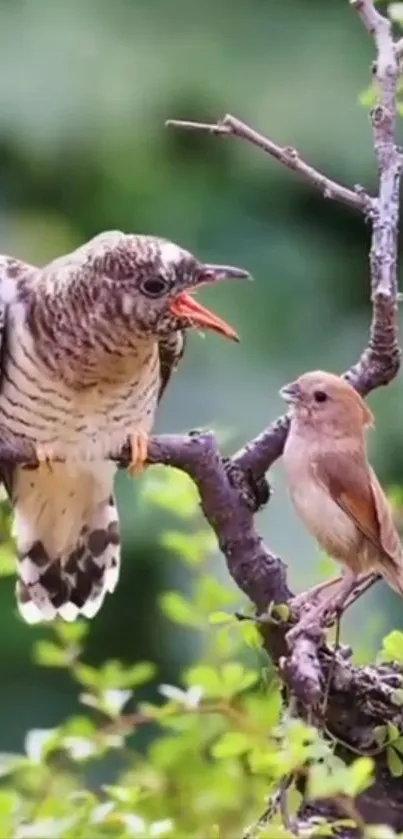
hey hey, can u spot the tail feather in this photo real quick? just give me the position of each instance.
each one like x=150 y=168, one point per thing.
x=76 y=583
x=392 y=572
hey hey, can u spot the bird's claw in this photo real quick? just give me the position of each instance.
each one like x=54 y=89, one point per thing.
x=138 y=442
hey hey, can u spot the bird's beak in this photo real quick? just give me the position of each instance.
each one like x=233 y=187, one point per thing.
x=183 y=305
x=291 y=393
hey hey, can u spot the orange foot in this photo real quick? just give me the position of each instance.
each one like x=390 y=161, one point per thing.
x=138 y=452
x=45 y=454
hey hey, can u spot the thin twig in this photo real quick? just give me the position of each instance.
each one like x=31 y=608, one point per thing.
x=231 y=126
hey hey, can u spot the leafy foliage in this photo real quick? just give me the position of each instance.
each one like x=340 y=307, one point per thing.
x=217 y=745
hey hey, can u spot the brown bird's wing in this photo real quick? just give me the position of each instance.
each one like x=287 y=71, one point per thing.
x=354 y=486
x=171 y=350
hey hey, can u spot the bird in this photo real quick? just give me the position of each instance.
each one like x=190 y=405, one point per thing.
x=335 y=491
x=88 y=344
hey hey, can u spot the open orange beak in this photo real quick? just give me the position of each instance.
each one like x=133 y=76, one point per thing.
x=185 y=306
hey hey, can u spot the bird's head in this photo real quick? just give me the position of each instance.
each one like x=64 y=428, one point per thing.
x=327 y=403
x=150 y=282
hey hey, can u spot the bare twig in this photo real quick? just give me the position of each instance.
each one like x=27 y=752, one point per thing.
x=230 y=126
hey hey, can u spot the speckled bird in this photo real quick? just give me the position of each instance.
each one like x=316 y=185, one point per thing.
x=88 y=344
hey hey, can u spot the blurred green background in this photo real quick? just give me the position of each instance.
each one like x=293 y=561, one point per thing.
x=85 y=88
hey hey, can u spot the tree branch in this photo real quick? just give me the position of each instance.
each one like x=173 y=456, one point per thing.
x=230 y=126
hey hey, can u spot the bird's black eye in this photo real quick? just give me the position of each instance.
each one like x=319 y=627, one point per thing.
x=154 y=287
x=320 y=396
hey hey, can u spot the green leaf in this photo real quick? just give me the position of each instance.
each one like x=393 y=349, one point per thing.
x=9 y=804
x=7 y=560
x=265 y=711
x=192 y=548
x=220 y=617
x=380 y=733
x=50 y=655
x=392 y=647
x=87 y=676
x=395 y=764
x=281 y=611
x=250 y=633
x=10 y=762
x=139 y=674
x=39 y=742
x=114 y=700
x=360 y=775
x=380 y=831
x=180 y=610
x=114 y=676
x=350 y=781
x=212 y=594
x=397 y=696
x=172 y=490
x=205 y=677
x=398 y=744
x=236 y=678
x=393 y=731
x=231 y=744
x=395 y=12
x=71 y=633
x=367 y=98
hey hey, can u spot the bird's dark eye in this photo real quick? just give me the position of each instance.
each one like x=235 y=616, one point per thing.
x=154 y=287
x=320 y=396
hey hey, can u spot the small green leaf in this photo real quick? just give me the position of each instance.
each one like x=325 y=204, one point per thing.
x=183 y=545
x=395 y=764
x=231 y=744
x=392 y=647
x=172 y=490
x=87 y=676
x=398 y=744
x=250 y=634
x=211 y=594
x=393 y=731
x=180 y=610
x=39 y=742
x=139 y=674
x=236 y=678
x=395 y=12
x=381 y=831
x=380 y=733
x=114 y=675
x=367 y=98
x=71 y=633
x=114 y=700
x=360 y=775
x=10 y=762
x=397 y=696
x=50 y=655
x=7 y=560
x=281 y=611
x=206 y=677
x=220 y=617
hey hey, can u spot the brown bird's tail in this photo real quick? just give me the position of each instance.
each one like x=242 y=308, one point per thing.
x=74 y=584
x=392 y=572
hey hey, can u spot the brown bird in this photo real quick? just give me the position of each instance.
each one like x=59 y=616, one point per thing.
x=334 y=489
x=88 y=344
